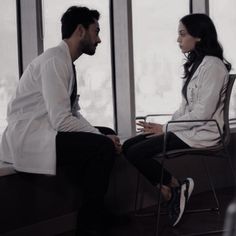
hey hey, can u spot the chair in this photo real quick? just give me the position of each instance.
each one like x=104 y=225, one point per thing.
x=230 y=219
x=219 y=150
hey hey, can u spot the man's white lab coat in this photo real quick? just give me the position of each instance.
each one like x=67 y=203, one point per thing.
x=38 y=110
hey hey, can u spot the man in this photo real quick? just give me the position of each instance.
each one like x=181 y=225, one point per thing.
x=45 y=130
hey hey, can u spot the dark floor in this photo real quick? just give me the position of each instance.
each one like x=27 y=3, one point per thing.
x=191 y=223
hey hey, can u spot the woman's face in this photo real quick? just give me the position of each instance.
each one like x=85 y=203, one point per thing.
x=186 y=41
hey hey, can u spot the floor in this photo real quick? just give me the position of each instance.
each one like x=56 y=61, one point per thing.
x=191 y=224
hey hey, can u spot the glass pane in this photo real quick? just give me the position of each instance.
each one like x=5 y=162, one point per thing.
x=9 y=75
x=224 y=17
x=93 y=73
x=157 y=58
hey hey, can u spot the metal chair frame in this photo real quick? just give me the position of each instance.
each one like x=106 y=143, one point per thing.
x=218 y=150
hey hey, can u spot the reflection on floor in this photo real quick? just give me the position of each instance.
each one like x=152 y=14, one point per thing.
x=190 y=224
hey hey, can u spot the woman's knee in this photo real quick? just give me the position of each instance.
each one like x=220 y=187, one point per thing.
x=130 y=143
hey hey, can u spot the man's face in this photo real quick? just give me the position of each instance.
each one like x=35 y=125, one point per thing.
x=91 y=39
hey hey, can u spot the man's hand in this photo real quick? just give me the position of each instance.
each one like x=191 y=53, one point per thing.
x=116 y=142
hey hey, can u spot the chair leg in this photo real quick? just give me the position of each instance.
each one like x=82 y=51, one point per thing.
x=217 y=208
x=136 y=213
x=231 y=165
x=225 y=230
x=159 y=198
x=136 y=194
x=158 y=212
x=193 y=211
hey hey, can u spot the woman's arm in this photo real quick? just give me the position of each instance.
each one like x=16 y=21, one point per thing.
x=203 y=100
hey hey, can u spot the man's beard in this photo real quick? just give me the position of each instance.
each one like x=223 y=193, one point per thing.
x=89 y=49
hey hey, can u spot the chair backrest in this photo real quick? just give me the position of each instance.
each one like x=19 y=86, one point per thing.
x=230 y=84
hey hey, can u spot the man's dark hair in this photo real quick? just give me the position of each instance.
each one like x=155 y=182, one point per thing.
x=77 y=15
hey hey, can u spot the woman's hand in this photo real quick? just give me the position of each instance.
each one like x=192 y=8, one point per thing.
x=148 y=127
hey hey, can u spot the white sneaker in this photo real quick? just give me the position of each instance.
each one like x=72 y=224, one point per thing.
x=180 y=196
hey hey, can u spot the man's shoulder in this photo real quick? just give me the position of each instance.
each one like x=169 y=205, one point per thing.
x=58 y=52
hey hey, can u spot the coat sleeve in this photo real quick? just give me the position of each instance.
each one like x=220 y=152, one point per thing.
x=206 y=99
x=55 y=76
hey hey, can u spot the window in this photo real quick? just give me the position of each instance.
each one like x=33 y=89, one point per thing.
x=93 y=73
x=157 y=58
x=9 y=75
x=223 y=15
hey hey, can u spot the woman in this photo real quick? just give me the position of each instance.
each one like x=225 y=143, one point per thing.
x=205 y=79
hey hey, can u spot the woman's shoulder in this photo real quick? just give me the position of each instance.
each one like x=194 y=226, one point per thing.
x=212 y=61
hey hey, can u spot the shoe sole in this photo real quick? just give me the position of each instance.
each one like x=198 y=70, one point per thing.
x=182 y=204
x=190 y=187
x=186 y=188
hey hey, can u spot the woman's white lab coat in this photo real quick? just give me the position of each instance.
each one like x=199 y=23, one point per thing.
x=205 y=95
x=38 y=110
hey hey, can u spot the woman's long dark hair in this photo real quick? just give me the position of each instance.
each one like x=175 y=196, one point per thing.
x=201 y=26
